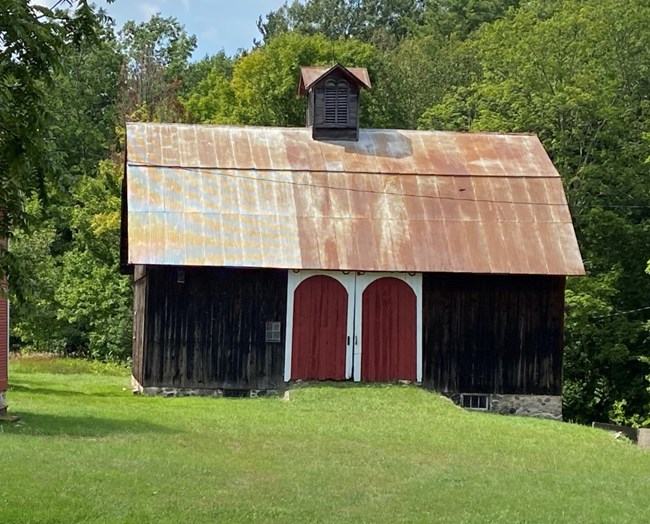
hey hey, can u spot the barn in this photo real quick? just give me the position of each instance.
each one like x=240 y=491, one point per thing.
x=266 y=255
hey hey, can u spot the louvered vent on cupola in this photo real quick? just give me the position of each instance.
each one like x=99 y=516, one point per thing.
x=333 y=110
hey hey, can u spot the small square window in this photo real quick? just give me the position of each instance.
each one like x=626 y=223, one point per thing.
x=474 y=401
x=273 y=332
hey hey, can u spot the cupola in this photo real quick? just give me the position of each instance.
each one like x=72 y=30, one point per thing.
x=333 y=110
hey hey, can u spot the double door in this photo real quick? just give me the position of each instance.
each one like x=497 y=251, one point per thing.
x=365 y=326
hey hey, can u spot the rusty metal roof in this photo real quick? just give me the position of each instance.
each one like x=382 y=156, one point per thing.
x=309 y=75
x=393 y=201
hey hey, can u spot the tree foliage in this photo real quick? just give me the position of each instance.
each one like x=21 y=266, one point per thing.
x=463 y=17
x=156 y=55
x=32 y=38
x=365 y=20
x=68 y=295
x=264 y=83
x=382 y=22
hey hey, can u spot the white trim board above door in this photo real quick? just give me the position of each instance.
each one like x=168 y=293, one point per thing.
x=355 y=283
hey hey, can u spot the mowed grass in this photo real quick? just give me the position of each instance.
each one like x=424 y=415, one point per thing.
x=87 y=450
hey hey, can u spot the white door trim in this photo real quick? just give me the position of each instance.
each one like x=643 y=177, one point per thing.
x=363 y=280
x=297 y=277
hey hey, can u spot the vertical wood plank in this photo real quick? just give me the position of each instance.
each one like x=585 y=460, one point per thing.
x=493 y=334
x=209 y=332
x=139 y=307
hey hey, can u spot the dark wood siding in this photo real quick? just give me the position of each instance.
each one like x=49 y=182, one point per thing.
x=493 y=334
x=125 y=268
x=310 y=109
x=326 y=133
x=139 y=311
x=353 y=107
x=318 y=100
x=209 y=332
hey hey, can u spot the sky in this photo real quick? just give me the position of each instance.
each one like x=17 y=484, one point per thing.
x=217 y=24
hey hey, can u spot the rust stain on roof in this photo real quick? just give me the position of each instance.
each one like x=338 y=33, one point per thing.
x=393 y=201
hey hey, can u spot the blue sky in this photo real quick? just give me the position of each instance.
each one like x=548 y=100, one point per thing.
x=217 y=24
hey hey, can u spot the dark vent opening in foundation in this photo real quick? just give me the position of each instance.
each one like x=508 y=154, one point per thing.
x=474 y=401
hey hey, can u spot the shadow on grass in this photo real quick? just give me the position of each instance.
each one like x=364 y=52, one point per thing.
x=40 y=390
x=40 y=386
x=88 y=426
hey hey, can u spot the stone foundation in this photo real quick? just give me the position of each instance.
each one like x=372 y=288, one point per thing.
x=539 y=406
x=152 y=391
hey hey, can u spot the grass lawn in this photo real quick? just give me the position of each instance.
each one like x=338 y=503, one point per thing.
x=87 y=450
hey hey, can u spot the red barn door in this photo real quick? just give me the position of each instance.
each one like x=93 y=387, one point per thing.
x=388 y=331
x=320 y=314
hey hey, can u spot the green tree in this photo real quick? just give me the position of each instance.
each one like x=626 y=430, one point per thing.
x=67 y=295
x=462 y=17
x=156 y=57
x=415 y=75
x=32 y=38
x=199 y=70
x=74 y=300
x=212 y=100
x=383 y=22
x=34 y=310
x=367 y=20
x=83 y=132
x=264 y=82
x=575 y=73
x=94 y=299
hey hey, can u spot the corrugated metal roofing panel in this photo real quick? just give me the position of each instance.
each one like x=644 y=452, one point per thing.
x=394 y=201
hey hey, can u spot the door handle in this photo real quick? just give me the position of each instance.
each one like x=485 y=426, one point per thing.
x=348 y=340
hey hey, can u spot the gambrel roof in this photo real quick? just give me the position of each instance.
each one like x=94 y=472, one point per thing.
x=393 y=201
